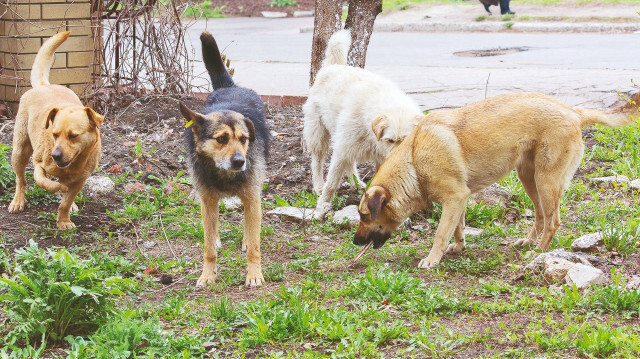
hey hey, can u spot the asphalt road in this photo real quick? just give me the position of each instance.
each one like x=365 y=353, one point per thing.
x=272 y=56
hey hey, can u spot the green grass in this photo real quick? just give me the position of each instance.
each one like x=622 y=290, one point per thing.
x=204 y=9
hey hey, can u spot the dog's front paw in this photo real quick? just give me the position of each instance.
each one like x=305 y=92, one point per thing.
x=427 y=263
x=254 y=276
x=455 y=248
x=207 y=277
x=74 y=208
x=17 y=205
x=321 y=210
x=522 y=242
x=65 y=225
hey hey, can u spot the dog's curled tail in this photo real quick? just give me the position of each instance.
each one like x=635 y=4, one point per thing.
x=44 y=59
x=610 y=119
x=213 y=62
x=337 y=48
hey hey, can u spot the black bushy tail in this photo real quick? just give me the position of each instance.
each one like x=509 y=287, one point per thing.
x=213 y=62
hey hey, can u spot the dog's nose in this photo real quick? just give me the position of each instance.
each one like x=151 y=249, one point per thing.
x=56 y=155
x=237 y=161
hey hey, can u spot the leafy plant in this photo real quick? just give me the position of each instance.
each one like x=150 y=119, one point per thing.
x=205 y=9
x=601 y=340
x=7 y=177
x=54 y=294
x=282 y=3
x=620 y=237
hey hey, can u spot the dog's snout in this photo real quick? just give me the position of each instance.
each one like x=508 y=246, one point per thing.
x=237 y=161
x=56 y=155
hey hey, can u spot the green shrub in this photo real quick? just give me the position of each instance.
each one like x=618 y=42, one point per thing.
x=7 y=177
x=55 y=294
x=619 y=236
x=204 y=9
x=283 y=3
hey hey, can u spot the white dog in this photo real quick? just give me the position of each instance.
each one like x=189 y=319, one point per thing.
x=362 y=115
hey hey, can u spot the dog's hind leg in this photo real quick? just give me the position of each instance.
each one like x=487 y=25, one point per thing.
x=526 y=173
x=252 y=221
x=452 y=210
x=209 y=208
x=354 y=173
x=22 y=150
x=316 y=142
x=337 y=169
x=458 y=235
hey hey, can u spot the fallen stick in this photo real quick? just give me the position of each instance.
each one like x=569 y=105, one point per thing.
x=361 y=252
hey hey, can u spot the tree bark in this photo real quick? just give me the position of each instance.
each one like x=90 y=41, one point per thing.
x=328 y=19
x=360 y=18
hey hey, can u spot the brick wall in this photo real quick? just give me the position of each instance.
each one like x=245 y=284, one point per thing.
x=25 y=26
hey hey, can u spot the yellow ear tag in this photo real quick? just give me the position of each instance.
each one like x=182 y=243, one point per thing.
x=188 y=123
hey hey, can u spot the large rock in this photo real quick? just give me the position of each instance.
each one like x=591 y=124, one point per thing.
x=587 y=243
x=537 y=265
x=633 y=282
x=582 y=276
x=491 y=195
x=296 y=213
x=555 y=269
x=99 y=185
x=273 y=14
x=348 y=214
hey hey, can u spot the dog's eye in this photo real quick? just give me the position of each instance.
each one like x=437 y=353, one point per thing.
x=72 y=136
x=389 y=140
x=243 y=139
x=222 y=140
x=55 y=135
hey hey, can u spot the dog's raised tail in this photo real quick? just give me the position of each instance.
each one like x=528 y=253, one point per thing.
x=337 y=48
x=610 y=119
x=213 y=62
x=44 y=59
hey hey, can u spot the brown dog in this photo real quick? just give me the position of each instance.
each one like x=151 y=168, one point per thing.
x=452 y=154
x=61 y=133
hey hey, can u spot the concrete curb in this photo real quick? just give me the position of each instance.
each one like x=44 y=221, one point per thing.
x=494 y=26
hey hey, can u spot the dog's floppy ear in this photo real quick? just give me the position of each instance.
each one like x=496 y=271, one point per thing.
x=251 y=128
x=52 y=114
x=376 y=198
x=192 y=116
x=95 y=118
x=378 y=125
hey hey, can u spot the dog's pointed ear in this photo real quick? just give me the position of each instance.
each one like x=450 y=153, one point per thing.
x=251 y=128
x=95 y=118
x=376 y=198
x=51 y=116
x=378 y=125
x=195 y=118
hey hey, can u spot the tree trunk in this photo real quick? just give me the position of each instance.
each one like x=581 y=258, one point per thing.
x=360 y=18
x=328 y=19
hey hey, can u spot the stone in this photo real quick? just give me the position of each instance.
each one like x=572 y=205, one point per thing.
x=587 y=243
x=296 y=213
x=148 y=244
x=348 y=214
x=172 y=187
x=555 y=269
x=232 y=203
x=633 y=282
x=166 y=279
x=490 y=196
x=471 y=231
x=134 y=187
x=582 y=276
x=274 y=14
x=537 y=265
x=635 y=184
x=99 y=185
x=115 y=169
x=611 y=179
x=302 y=13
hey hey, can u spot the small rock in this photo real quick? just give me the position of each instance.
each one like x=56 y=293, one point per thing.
x=208 y=345
x=166 y=279
x=611 y=179
x=172 y=187
x=471 y=231
x=583 y=276
x=99 y=185
x=635 y=184
x=296 y=213
x=273 y=14
x=633 y=283
x=115 y=169
x=134 y=187
x=302 y=13
x=232 y=203
x=129 y=143
x=348 y=214
x=490 y=196
x=148 y=244
x=587 y=243
x=528 y=213
x=556 y=269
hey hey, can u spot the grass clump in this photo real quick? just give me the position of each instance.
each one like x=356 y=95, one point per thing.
x=620 y=237
x=283 y=3
x=205 y=9
x=52 y=294
x=7 y=177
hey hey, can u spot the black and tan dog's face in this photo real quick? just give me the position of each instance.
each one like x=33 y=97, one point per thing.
x=73 y=129
x=221 y=136
x=376 y=218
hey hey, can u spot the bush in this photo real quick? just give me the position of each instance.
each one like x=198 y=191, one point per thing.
x=55 y=294
x=7 y=177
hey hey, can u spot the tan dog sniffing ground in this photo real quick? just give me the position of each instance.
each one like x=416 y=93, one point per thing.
x=453 y=154
x=61 y=133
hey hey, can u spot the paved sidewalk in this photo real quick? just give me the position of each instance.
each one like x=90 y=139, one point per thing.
x=578 y=66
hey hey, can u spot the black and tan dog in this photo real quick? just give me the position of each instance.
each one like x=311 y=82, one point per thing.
x=227 y=145
x=452 y=154
x=61 y=133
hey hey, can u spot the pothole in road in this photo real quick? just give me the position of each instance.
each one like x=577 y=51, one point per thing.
x=490 y=52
